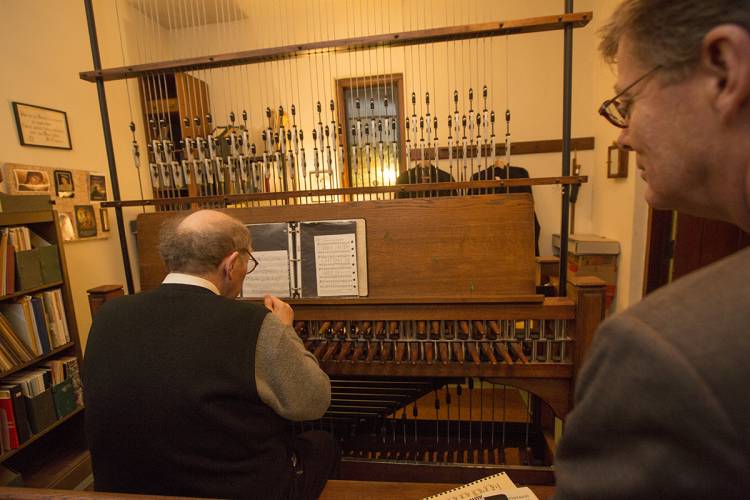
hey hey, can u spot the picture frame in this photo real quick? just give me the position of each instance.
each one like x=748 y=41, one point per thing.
x=66 y=226
x=64 y=185
x=41 y=127
x=617 y=162
x=97 y=188
x=31 y=181
x=104 y=219
x=85 y=220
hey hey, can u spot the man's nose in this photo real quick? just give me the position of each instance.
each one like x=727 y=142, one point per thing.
x=623 y=140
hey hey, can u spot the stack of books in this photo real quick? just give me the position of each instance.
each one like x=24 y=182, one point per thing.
x=31 y=326
x=32 y=400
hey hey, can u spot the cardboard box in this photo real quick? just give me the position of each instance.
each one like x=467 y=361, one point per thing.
x=602 y=265
x=588 y=244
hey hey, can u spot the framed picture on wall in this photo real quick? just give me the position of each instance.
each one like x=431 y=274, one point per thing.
x=64 y=184
x=617 y=162
x=42 y=127
x=31 y=180
x=85 y=221
x=97 y=188
x=104 y=219
x=66 y=226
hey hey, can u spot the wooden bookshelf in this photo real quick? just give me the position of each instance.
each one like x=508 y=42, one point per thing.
x=40 y=435
x=38 y=359
x=48 y=286
x=49 y=456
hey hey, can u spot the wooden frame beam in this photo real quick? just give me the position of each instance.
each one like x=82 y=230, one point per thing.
x=230 y=199
x=517 y=148
x=405 y=38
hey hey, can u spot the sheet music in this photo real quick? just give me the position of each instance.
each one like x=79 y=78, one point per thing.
x=271 y=275
x=483 y=489
x=336 y=264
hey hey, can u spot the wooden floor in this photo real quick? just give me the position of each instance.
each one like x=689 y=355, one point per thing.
x=374 y=490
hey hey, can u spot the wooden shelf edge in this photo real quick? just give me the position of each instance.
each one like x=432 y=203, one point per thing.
x=37 y=359
x=22 y=218
x=31 y=290
x=5 y=456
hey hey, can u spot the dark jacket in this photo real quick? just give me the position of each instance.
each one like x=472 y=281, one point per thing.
x=171 y=402
x=662 y=409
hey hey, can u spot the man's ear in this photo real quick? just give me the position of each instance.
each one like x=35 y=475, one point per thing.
x=227 y=265
x=725 y=54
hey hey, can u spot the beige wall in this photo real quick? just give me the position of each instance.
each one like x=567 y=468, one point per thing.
x=43 y=69
x=45 y=44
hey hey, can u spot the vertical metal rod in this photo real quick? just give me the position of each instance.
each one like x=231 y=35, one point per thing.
x=108 y=143
x=567 y=99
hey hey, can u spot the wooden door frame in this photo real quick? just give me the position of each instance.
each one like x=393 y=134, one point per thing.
x=659 y=250
x=342 y=84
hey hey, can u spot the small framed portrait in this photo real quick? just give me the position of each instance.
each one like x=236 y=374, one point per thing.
x=97 y=188
x=104 y=220
x=617 y=162
x=64 y=184
x=32 y=181
x=85 y=220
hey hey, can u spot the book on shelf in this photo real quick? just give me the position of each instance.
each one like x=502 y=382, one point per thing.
x=7 y=263
x=8 y=434
x=308 y=259
x=27 y=260
x=23 y=429
x=70 y=367
x=31 y=326
x=13 y=342
x=19 y=315
x=36 y=386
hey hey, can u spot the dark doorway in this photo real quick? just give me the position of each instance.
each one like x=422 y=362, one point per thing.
x=680 y=244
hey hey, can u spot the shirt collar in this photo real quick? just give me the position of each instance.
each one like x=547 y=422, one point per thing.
x=189 y=279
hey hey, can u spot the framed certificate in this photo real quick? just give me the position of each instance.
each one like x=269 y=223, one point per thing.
x=42 y=127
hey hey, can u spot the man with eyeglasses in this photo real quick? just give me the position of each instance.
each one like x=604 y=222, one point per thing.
x=191 y=393
x=662 y=409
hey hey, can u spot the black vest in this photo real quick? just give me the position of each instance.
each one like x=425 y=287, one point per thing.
x=171 y=402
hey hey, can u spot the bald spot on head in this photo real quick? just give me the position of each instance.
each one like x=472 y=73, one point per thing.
x=198 y=243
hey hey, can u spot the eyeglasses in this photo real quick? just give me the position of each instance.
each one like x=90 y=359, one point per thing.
x=251 y=263
x=616 y=111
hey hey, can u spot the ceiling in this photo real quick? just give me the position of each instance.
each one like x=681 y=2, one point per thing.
x=178 y=14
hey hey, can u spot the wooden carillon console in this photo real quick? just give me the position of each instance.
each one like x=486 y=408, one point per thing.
x=446 y=364
x=452 y=366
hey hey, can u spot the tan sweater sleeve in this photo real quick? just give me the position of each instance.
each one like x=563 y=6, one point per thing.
x=287 y=376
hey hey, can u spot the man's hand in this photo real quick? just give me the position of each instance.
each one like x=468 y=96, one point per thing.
x=281 y=309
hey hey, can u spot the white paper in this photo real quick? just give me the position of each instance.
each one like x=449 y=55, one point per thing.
x=271 y=275
x=336 y=264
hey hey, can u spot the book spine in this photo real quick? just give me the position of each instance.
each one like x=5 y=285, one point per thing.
x=6 y=406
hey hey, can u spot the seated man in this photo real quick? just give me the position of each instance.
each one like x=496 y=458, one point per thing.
x=191 y=393
x=425 y=174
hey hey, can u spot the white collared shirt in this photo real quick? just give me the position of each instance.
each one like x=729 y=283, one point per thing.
x=189 y=279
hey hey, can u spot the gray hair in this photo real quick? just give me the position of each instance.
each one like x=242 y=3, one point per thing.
x=669 y=33
x=199 y=250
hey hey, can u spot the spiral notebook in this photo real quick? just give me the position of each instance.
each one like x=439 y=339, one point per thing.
x=491 y=487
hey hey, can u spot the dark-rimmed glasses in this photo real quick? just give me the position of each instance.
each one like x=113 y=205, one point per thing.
x=616 y=111
x=251 y=263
